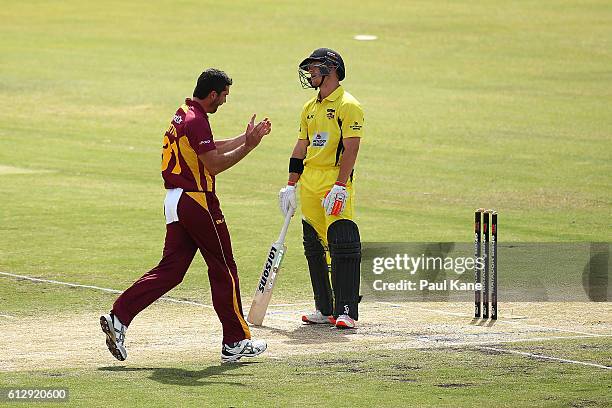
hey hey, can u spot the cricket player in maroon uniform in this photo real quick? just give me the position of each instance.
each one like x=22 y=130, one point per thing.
x=190 y=160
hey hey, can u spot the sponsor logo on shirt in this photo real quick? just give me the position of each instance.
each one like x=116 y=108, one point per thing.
x=177 y=119
x=355 y=126
x=204 y=142
x=330 y=113
x=320 y=139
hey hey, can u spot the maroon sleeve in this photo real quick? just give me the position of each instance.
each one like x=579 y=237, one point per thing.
x=200 y=135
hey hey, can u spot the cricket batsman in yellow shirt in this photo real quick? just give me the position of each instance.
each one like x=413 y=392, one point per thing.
x=322 y=162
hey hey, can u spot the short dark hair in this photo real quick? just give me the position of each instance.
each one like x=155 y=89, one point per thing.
x=211 y=80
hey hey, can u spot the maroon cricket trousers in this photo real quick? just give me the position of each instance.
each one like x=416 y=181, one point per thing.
x=201 y=226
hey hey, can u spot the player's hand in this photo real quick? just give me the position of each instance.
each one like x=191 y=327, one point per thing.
x=251 y=124
x=335 y=199
x=255 y=132
x=286 y=199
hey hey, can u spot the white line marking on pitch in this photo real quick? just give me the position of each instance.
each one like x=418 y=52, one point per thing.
x=552 y=328
x=476 y=344
x=543 y=357
x=498 y=321
x=108 y=290
x=482 y=346
x=494 y=342
x=7 y=316
x=497 y=341
x=74 y=285
x=59 y=283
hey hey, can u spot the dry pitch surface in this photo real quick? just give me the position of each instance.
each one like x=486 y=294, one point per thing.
x=174 y=331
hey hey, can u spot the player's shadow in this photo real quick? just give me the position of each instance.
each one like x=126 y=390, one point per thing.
x=312 y=334
x=216 y=374
x=483 y=322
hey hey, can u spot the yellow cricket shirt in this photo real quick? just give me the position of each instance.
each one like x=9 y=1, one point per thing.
x=325 y=123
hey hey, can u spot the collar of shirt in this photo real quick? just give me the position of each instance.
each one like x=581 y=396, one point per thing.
x=334 y=95
x=197 y=106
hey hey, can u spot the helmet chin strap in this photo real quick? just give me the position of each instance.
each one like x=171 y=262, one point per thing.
x=322 y=79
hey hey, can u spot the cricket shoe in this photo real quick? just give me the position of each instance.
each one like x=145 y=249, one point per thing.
x=318 y=318
x=245 y=348
x=345 y=322
x=115 y=335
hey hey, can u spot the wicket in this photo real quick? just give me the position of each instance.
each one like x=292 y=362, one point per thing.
x=482 y=236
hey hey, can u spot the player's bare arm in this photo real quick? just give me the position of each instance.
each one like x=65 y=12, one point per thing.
x=227 y=145
x=217 y=161
x=349 y=156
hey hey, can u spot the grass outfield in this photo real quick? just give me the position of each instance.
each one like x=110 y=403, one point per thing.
x=502 y=105
x=437 y=378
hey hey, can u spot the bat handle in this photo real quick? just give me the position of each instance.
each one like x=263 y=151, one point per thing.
x=283 y=233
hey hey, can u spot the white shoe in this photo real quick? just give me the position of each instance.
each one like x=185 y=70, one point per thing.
x=243 y=348
x=115 y=335
x=318 y=318
x=345 y=322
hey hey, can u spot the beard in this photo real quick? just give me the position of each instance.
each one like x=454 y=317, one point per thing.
x=217 y=102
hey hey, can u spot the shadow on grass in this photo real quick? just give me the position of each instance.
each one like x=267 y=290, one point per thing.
x=311 y=334
x=483 y=322
x=190 y=378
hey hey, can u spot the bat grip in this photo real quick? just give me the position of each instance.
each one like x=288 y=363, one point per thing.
x=283 y=233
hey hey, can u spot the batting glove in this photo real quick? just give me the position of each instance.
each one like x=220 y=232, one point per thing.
x=287 y=199
x=335 y=200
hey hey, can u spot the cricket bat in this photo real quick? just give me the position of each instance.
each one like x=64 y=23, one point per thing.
x=263 y=293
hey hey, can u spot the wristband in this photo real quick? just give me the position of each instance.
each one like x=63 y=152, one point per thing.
x=291 y=183
x=296 y=165
x=338 y=183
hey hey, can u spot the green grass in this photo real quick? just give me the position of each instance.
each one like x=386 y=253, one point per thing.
x=424 y=378
x=467 y=106
x=501 y=105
